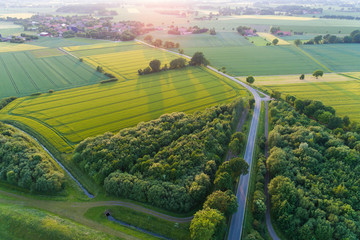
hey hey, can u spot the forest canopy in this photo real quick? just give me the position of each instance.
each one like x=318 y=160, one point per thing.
x=169 y=162
x=24 y=165
x=315 y=177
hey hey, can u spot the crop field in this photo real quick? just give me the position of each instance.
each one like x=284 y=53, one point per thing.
x=269 y=37
x=334 y=90
x=221 y=39
x=22 y=73
x=104 y=48
x=337 y=57
x=64 y=42
x=258 y=41
x=67 y=117
x=254 y=60
x=15 y=47
x=124 y=64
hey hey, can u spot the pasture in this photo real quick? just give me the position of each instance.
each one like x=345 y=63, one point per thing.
x=67 y=117
x=254 y=60
x=26 y=72
x=334 y=90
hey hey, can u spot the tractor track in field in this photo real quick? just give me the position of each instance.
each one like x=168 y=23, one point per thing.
x=40 y=69
x=10 y=76
x=26 y=72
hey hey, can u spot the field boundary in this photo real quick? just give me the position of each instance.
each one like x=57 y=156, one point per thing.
x=314 y=59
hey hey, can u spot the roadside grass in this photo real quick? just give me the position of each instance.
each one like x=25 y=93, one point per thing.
x=177 y=231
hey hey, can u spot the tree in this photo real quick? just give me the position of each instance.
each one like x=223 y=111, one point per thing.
x=250 y=79
x=273 y=30
x=235 y=146
x=223 y=181
x=148 y=38
x=346 y=121
x=318 y=73
x=157 y=43
x=212 y=31
x=317 y=39
x=181 y=51
x=198 y=59
x=127 y=36
x=356 y=38
x=298 y=42
x=178 y=63
x=207 y=224
x=302 y=77
x=238 y=167
x=275 y=41
x=225 y=202
x=155 y=65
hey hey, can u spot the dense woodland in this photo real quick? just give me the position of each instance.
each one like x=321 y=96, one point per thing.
x=315 y=176
x=24 y=165
x=169 y=162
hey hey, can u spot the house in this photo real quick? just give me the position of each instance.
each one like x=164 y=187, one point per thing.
x=44 y=34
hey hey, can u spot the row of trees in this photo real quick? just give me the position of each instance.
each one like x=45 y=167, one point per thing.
x=170 y=162
x=210 y=222
x=314 y=187
x=159 y=43
x=22 y=164
x=354 y=37
x=198 y=59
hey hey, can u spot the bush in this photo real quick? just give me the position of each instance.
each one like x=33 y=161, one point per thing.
x=109 y=80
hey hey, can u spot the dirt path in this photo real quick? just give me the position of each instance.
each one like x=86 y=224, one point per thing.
x=269 y=226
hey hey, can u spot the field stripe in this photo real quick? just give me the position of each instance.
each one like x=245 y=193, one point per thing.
x=86 y=93
x=314 y=59
x=69 y=69
x=133 y=116
x=131 y=99
x=57 y=72
x=26 y=72
x=9 y=74
x=40 y=69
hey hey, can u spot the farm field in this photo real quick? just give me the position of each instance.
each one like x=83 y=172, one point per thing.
x=64 y=42
x=221 y=39
x=26 y=72
x=334 y=90
x=14 y=47
x=125 y=59
x=67 y=117
x=258 y=41
x=269 y=37
x=337 y=57
x=254 y=60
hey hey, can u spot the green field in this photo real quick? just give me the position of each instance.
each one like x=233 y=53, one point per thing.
x=258 y=41
x=337 y=57
x=334 y=90
x=67 y=117
x=64 y=42
x=26 y=72
x=254 y=60
x=221 y=39
x=17 y=222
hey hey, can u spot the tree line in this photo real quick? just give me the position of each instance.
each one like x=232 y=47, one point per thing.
x=198 y=59
x=354 y=37
x=22 y=164
x=314 y=173
x=159 y=43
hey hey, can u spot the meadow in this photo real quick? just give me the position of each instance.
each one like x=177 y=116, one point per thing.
x=338 y=91
x=26 y=72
